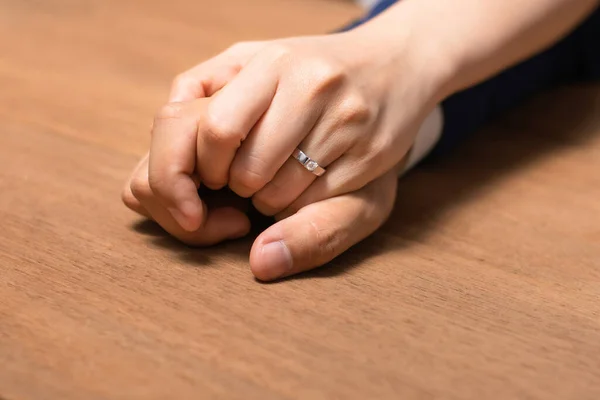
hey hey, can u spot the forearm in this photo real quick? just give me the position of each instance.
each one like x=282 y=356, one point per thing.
x=463 y=42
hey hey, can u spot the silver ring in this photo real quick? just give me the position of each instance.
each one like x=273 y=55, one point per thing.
x=308 y=163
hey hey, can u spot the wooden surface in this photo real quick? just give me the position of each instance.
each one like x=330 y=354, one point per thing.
x=485 y=284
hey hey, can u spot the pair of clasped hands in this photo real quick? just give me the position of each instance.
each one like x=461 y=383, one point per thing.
x=235 y=120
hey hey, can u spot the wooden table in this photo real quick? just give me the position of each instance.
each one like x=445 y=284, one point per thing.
x=485 y=283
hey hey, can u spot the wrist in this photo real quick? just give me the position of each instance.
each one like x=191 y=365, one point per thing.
x=419 y=36
x=460 y=43
x=408 y=55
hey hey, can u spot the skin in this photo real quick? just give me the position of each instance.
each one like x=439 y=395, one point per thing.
x=310 y=238
x=352 y=101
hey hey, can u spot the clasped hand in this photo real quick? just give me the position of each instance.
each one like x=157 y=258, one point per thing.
x=235 y=120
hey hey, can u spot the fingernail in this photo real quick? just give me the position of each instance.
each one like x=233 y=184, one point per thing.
x=276 y=260
x=181 y=219
x=186 y=215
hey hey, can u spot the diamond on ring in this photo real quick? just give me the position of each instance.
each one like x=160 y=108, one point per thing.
x=308 y=163
x=311 y=165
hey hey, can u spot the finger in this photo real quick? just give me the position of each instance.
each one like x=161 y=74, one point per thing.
x=320 y=232
x=272 y=140
x=293 y=179
x=221 y=223
x=201 y=81
x=346 y=175
x=172 y=161
x=127 y=195
x=226 y=223
x=231 y=116
x=329 y=140
x=289 y=182
x=205 y=79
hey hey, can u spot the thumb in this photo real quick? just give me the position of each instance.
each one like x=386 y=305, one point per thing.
x=321 y=231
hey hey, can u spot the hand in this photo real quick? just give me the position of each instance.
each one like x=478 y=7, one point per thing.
x=340 y=98
x=312 y=237
x=222 y=216
x=323 y=230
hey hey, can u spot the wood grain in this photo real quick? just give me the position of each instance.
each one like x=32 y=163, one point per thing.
x=484 y=284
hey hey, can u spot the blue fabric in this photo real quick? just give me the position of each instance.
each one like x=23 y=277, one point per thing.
x=575 y=58
x=380 y=7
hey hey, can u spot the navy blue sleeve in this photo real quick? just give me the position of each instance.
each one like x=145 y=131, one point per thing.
x=575 y=58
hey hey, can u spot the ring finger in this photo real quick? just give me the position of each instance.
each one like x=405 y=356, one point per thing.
x=271 y=141
x=326 y=144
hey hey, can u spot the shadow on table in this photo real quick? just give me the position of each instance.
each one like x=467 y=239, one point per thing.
x=201 y=257
x=160 y=238
x=542 y=128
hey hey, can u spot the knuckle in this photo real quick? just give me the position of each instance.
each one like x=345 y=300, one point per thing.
x=326 y=75
x=128 y=198
x=170 y=111
x=354 y=109
x=157 y=183
x=182 y=80
x=248 y=178
x=240 y=52
x=221 y=131
x=140 y=188
x=327 y=240
x=279 y=52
